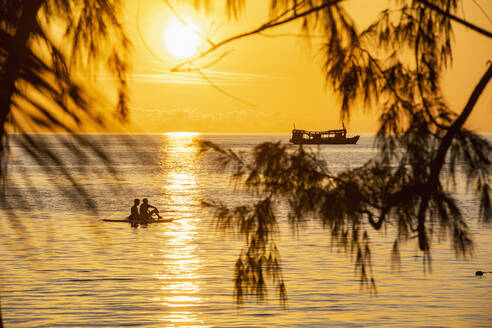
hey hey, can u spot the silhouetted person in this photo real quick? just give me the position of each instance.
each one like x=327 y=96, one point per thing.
x=482 y=273
x=144 y=210
x=134 y=216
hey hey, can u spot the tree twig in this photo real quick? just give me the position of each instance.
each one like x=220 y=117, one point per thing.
x=185 y=23
x=271 y=24
x=455 y=18
x=438 y=161
x=216 y=87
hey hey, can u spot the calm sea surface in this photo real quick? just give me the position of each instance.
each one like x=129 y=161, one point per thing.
x=61 y=266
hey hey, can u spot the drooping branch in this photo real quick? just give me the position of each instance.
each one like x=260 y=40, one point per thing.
x=457 y=19
x=401 y=186
x=264 y=27
x=438 y=161
x=457 y=125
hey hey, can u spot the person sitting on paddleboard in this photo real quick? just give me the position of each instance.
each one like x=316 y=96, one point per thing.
x=144 y=210
x=134 y=211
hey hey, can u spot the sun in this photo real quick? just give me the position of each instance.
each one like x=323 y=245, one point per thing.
x=181 y=40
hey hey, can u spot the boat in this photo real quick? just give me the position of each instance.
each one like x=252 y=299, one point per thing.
x=329 y=137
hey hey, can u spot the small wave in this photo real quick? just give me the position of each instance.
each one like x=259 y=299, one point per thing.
x=99 y=279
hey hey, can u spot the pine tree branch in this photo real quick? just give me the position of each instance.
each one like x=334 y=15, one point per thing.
x=271 y=24
x=438 y=162
x=457 y=125
x=457 y=19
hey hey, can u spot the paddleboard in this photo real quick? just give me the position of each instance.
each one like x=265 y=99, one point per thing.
x=128 y=221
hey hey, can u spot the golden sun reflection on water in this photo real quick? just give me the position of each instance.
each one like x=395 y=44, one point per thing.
x=181 y=279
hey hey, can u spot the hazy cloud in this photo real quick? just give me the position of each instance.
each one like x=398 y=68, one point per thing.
x=195 y=78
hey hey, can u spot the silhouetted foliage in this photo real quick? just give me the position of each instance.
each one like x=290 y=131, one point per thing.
x=395 y=65
x=48 y=49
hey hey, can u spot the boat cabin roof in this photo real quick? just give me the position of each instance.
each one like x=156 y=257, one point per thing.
x=339 y=131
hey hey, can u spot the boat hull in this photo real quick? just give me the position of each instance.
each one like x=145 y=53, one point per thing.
x=326 y=141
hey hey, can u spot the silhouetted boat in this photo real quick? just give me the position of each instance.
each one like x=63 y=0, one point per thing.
x=329 y=137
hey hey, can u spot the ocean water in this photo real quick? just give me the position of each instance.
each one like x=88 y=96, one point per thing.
x=61 y=266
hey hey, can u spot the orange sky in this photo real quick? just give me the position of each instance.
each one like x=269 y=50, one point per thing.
x=280 y=77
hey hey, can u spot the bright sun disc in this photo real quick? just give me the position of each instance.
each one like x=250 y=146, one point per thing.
x=181 y=40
